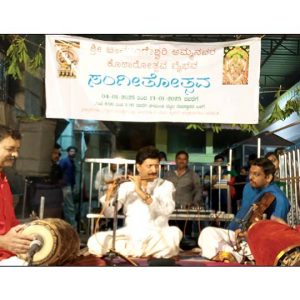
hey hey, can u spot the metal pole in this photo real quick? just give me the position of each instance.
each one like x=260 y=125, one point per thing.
x=229 y=168
x=219 y=194
x=285 y=175
x=90 y=192
x=91 y=187
x=298 y=159
x=42 y=207
x=81 y=193
x=24 y=197
x=210 y=187
x=258 y=147
x=99 y=187
x=290 y=185
x=295 y=187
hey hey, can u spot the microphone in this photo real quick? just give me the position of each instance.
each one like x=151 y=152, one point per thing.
x=35 y=246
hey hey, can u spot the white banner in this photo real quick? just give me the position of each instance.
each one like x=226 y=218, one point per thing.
x=153 y=81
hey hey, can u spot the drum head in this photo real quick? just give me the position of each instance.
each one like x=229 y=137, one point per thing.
x=49 y=238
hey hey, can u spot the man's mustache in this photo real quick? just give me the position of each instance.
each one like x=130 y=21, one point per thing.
x=11 y=158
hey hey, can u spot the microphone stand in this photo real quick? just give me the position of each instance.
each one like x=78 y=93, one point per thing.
x=112 y=253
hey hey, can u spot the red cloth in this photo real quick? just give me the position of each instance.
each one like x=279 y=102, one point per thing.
x=232 y=189
x=268 y=238
x=7 y=214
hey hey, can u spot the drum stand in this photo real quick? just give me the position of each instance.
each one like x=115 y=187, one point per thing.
x=112 y=254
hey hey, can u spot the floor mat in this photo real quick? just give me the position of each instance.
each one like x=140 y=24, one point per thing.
x=184 y=259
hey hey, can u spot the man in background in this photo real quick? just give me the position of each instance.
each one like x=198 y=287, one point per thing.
x=188 y=195
x=187 y=183
x=56 y=174
x=68 y=168
x=50 y=188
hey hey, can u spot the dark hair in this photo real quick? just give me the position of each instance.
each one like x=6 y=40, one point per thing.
x=57 y=146
x=252 y=156
x=219 y=156
x=8 y=132
x=267 y=166
x=271 y=153
x=162 y=155
x=279 y=151
x=72 y=148
x=146 y=152
x=182 y=152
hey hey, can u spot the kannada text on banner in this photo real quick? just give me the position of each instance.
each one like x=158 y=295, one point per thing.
x=152 y=81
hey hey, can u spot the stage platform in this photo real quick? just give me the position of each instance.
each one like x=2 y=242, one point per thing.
x=190 y=258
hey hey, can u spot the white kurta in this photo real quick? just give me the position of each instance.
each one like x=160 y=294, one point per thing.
x=146 y=231
x=213 y=239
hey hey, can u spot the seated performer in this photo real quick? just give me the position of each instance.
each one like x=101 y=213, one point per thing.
x=214 y=241
x=148 y=203
x=12 y=241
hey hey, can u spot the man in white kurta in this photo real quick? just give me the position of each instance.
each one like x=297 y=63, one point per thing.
x=147 y=207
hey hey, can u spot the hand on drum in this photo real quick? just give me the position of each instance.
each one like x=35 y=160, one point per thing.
x=15 y=241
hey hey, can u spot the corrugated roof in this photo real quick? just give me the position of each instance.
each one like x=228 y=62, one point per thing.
x=267 y=139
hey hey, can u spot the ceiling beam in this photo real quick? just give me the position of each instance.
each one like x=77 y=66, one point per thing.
x=273 y=50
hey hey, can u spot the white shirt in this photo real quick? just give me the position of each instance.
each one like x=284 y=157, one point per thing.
x=139 y=216
x=146 y=231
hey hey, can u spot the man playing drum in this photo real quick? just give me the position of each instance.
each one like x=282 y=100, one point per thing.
x=214 y=241
x=148 y=203
x=12 y=241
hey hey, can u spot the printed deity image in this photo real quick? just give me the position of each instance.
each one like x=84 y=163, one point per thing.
x=66 y=58
x=236 y=65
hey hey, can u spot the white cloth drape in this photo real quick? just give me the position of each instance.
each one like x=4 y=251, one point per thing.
x=213 y=239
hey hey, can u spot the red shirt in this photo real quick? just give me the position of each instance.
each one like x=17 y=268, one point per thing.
x=7 y=214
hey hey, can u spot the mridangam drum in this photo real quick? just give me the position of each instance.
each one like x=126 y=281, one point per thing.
x=60 y=242
x=274 y=244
